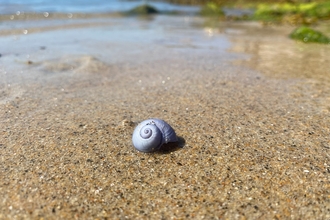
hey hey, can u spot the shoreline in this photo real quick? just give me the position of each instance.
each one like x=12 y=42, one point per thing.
x=255 y=146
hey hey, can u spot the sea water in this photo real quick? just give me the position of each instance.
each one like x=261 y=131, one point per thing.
x=85 y=6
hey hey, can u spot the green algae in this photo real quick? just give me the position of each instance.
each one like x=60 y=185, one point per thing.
x=292 y=12
x=321 y=10
x=211 y=9
x=309 y=35
x=273 y=12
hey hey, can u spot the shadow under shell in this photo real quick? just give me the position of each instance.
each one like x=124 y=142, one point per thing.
x=172 y=146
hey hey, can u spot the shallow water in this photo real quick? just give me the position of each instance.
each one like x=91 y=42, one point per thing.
x=83 y=6
x=112 y=40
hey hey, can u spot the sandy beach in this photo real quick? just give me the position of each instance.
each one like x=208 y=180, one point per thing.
x=250 y=106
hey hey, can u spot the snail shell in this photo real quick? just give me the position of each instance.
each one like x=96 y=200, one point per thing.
x=151 y=134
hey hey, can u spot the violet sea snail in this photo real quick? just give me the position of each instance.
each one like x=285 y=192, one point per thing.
x=151 y=134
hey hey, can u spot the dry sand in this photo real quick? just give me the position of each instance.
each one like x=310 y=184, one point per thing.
x=251 y=108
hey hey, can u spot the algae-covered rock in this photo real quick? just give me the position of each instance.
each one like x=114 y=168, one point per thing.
x=307 y=35
x=143 y=10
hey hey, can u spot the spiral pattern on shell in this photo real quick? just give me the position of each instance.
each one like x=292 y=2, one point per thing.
x=146 y=133
x=151 y=134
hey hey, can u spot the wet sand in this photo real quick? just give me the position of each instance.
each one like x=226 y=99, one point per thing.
x=250 y=106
